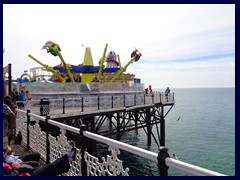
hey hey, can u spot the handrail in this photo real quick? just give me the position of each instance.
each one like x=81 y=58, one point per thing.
x=177 y=164
x=180 y=165
x=84 y=103
x=189 y=168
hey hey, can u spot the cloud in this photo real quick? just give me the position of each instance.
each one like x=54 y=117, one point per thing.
x=180 y=40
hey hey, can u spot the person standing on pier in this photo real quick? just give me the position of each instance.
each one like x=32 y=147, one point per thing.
x=150 y=88
x=167 y=91
x=21 y=99
x=9 y=124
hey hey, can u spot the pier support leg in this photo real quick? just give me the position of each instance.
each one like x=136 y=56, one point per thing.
x=149 y=128
x=118 y=127
x=136 y=119
x=110 y=121
x=162 y=128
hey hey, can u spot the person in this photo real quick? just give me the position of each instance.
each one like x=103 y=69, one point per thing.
x=13 y=170
x=9 y=124
x=146 y=90
x=95 y=79
x=14 y=95
x=167 y=91
x=32 y=158
x=59 y=166
x=21 y=98
x=9 y=102
x=150 y=88
x=28 y=96
x=71 y=151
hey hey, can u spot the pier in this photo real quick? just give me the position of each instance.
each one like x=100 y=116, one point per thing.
x=123 y=106
x=91 y=113
x=122 y=112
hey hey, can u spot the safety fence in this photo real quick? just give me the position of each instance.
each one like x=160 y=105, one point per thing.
x=86 y=103
x=52 y=147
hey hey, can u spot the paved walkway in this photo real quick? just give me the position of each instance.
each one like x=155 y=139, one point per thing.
x=17 y=148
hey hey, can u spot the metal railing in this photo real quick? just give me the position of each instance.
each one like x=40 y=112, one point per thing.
x=47 y=106
x=86 y=164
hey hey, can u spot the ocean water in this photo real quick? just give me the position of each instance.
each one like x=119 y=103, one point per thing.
x=204 y=135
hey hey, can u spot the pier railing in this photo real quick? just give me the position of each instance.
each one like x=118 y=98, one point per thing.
x=52 y=147
x=86 y=103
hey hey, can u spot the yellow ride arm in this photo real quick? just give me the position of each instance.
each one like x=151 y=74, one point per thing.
x=120 y=65
x=48 y=68
x=136 y=57
x=101 y=61
x=67 y=67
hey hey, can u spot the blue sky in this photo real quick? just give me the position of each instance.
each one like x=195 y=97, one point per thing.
x=182 y=45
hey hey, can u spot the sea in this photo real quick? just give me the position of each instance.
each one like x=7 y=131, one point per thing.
x=200 y=130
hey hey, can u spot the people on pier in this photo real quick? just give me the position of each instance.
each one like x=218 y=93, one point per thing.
x=146 y=91
x=14 y=94
x=9 y=102
x=28 y=96
x=150 y=88
x=167 y=91
x=55 y=168
x=9 y=124
x=59 y=166
x=21 y=98
x=32 y=158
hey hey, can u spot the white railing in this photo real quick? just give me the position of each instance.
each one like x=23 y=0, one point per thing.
x=58 y=144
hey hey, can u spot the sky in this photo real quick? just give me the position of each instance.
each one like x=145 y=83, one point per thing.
x=182 y=45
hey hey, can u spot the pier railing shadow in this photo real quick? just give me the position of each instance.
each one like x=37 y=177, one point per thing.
x=86 y=164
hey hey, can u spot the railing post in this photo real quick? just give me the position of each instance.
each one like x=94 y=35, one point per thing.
x=124 y=101
x=135 y=101
x=144 y=98
x=41 y=107
x=82 y=103
x=63 y=105
x=9 y=79
x=28 y=133
x=152 y=97
x=47 y=140
x=98 y=102
x=160 y=97
x=162 y=155
x=83 y=128
x=112 y=101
